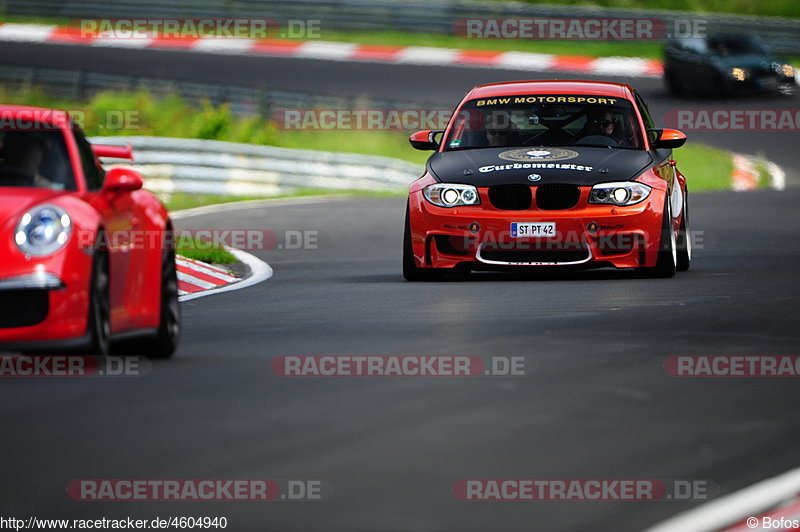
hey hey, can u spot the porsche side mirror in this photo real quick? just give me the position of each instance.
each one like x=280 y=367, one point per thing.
x=668 y=138
x=122 y=180
x=425 y=140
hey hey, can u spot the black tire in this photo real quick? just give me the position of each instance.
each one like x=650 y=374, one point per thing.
x=684 y=240
x=674 y=85
x=666 y=266
x=169 y=326
x=98 y=326
x=166 y=338
x=411 y=271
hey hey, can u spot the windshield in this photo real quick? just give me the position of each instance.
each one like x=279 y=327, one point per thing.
x=736 y=45
x=543 y=120
x=35 y=156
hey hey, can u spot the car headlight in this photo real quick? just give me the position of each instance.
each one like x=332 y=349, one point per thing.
x=739 y=74
x=450 y=195
x=43 y=230
x=788 y=71
x=622 y=193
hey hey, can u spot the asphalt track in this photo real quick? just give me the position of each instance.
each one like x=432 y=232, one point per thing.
x=596 y=402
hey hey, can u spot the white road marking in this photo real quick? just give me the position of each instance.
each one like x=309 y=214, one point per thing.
x=730 y=509
x=421 y=55
x=26 y=32
x=208 y=271
x=186 y=278
x=326 y=50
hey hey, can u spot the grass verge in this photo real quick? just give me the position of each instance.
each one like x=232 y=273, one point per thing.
x=171 y=116
x=773 y=8
x=705 y=168
x=196 y=249
x=184 y=200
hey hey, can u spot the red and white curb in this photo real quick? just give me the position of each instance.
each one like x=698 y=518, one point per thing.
x=199 y=279
x=746 y=174
x=756 y=507
x=195 y=276
x=340 y=51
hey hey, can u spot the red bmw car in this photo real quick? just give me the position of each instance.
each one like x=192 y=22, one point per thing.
x=87 y=255
x=548 y=173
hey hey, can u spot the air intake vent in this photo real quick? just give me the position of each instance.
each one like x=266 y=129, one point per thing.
x=23 y=308
x=533 y=256
x=557 y=197
x=511 y=197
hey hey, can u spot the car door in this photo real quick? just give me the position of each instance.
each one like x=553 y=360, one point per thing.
x=699 y=68
x=666 y=163
x=122 y=226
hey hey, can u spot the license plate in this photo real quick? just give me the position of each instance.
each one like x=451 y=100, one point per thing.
x=533 y=229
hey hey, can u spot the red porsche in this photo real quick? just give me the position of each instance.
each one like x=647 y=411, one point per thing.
x=548 y=174
x=87 y=254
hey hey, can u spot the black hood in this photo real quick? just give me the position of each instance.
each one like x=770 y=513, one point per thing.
x=582 y=166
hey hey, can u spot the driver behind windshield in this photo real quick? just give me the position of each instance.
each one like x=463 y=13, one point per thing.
x=501 y=130
x=599 y=122
x=33 y=159
x=514 y=122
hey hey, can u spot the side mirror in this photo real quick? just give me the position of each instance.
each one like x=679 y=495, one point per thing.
x=425 y=140
x=122 y=180
x=668 y=138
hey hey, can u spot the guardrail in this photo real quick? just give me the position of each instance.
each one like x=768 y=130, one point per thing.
x=229 y=168
x=409 y=16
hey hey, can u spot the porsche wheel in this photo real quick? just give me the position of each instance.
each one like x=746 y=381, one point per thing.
x=684 y=241
x=99 y=324
x=169 y=327
x=411 y=271
x=164 y=342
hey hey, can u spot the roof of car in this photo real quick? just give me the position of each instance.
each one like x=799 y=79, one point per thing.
x=600 y=88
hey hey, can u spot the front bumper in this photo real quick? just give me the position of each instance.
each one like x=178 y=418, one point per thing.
x=44 y=302
x=759 y=84
x=586 y=235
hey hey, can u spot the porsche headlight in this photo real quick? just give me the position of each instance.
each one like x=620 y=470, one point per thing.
x=622 y=193
x=43 y=230
x=739 y=74
x=451 y=195
x=787 y=70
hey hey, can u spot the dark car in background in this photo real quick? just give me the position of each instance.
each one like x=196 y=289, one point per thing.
x=725 y=65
